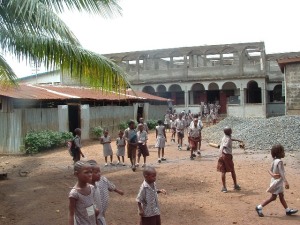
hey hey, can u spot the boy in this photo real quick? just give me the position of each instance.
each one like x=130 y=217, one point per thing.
x=131 y=138
x=180 y=125
x=142 y=138
x=225 y=162
x=76 y=150
x=148 y=200
x=102 y=188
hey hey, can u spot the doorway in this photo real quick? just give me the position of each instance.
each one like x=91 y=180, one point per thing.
x=140 y=111
x=213 y=96
x=74 y=117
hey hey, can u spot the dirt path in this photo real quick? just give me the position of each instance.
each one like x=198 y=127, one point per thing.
x=194 y=197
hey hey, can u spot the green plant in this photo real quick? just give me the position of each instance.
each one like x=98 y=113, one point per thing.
x=124 y=125
x=97 y=131
x=36 y=141
x=151 y=124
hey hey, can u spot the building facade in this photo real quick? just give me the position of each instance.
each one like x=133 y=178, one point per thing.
x=241 y=77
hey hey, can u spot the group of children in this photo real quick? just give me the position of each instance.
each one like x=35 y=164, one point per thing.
x=88 y=199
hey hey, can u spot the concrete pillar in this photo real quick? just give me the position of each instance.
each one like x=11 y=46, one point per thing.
x=191 y=97
x=171 y=62
x=242 y=100
x=186 y=98
x=263 y=98
x=241 y=63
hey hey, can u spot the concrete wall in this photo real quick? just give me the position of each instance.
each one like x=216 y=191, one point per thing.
x=292 y=95
x=275 y=109
x=248 y=110
x=157 y=112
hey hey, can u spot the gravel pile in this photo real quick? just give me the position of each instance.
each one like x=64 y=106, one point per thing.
x=259 y=133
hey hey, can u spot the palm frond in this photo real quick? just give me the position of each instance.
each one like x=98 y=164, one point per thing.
x=39 y=20
x=89 y=67
x=7 y=75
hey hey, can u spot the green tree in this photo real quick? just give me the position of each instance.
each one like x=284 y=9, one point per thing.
x=31 y=30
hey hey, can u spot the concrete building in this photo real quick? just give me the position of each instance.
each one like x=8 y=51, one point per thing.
x=245 y=80
x=290 y=67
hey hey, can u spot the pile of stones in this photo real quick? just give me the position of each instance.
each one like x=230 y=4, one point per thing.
x=258 y=133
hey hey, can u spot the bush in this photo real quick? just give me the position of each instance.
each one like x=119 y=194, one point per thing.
x=97 y=131
x=124 y=125
x=151 y=124
x=36 y=141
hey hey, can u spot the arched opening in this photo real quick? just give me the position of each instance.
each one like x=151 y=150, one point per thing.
x=197 y=94
x=231 y=93
x=161 y=91
x=276 y=94
x=177 y=95
x=213 y=93
x=149 y=90
x=253 y=92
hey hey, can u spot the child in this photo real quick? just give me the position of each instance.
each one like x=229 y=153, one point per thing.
x=105 y=140
x=121 y=143
x=76 y=150
x=160 y=140
x=277 y=181
x=225 y=162
x=142 y=138
x=148 y=200
x=81 y=197
x=195 y=136
x=102 y=188
x=173 y=129
x=180 y=125
x=131 y=139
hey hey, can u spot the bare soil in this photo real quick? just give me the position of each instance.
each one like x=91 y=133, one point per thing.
x=37 y=187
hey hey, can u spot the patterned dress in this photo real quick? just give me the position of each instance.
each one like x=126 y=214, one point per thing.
x=120 y=146
x=160 y=140
x=107 y=150
x=85 y=208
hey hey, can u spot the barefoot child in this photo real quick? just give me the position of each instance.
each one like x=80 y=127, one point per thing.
x=76 y=149
x=225 y=162
x=194 y=137
x=105 y=140
x=180 y=125
x=142 y=137
x=173 y=129
x=121 y=143
x=81 y=198
x=161 y=139
x=148 y=199
x=102 y=188
x=278 y=181
x=131 y=139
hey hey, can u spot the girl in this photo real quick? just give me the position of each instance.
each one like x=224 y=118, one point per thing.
x=107 y=150
x=121 y=143
x=160 y=140
x=76 y=145
x=81 y=197
x=142 y=138
x=277 y=181
x=173 y=129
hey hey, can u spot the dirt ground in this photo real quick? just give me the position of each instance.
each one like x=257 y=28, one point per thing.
x=36 y=191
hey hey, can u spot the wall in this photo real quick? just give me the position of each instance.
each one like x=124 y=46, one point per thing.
x=292 y=81
x=248 y=110
x=275 y=109
x=157 y=112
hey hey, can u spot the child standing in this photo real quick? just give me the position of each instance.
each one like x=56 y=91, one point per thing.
x=195 y=137
x=81 y=198
x=161 y=139
x=147 y=199
x=142 y=138
x=180 y=125
x=76 y=149
x=105 y=140
x=102 y=188
x=278 y=180
x=121 y=143
x=131 y=139
x=225 y=162
x=173 y=129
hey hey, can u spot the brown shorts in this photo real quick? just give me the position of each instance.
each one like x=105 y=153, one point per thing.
x=193 y=142
x=131 y=151
x=225 y=163
x=143 y=150
x=180 y=134
x=153 y=220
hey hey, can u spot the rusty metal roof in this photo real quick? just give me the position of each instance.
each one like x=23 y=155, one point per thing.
x=282 y=62
x=49 y=92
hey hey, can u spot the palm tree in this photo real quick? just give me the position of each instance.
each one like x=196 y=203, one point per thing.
x=31 y=30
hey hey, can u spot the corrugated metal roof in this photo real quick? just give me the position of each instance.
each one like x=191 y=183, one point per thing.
x=282 y=62
x=48 y=92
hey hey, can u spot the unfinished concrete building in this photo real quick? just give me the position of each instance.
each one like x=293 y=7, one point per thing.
x=241 y=77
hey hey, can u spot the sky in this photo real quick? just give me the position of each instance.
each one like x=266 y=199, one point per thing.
x=157 y=24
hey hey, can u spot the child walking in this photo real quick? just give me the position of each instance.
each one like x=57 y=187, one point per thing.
x=180 y=125
x=105 y=140
x=173 y=129
x=76 y=149
x=142 y=137
x=225 y=162
x=102 y=188
x=131 y=139
x=147 y=199
x=278 y=181
x=81 y=197
x=121 y=143
x=195 y=137
x=160 y=133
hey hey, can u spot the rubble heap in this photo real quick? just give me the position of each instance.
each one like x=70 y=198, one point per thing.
x=259 y=133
